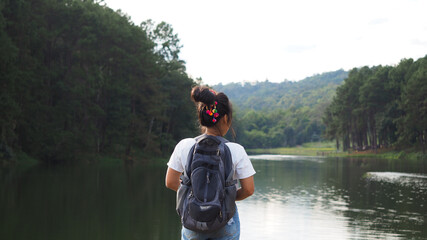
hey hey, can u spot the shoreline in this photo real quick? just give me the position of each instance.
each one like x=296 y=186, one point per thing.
x=21 y=159
x=319 y=149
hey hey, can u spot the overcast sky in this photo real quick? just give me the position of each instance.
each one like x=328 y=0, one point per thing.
x=244 y=40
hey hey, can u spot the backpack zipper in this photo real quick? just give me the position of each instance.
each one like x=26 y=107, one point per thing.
x=207 y=186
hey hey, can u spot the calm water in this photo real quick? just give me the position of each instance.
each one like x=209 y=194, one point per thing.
x=296 y=198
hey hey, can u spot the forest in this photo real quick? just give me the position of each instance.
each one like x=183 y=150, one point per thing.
x=79 y=80
x=380 y=107
x=286 y=114
x=366 y=108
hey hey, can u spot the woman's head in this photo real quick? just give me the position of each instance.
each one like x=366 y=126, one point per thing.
x=213 y=109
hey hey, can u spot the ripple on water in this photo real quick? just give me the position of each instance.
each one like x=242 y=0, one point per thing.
x=406 y=179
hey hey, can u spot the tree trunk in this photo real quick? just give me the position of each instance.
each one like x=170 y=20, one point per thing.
x=374 y=137
x=338 y=143
x=151 y=125
x=424 y=142
x=353 y=141
x=346 y=142
x=364 y=137
x=131 y=130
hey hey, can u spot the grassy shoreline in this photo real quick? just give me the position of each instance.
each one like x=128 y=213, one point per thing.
x=307 y=149
x=328 y=149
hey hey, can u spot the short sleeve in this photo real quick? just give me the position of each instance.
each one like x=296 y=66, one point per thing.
x=243 y=165
x=178 y=159
x=175 y=161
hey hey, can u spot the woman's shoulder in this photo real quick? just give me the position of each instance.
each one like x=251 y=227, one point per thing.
x=186 y=142
x=235 y=147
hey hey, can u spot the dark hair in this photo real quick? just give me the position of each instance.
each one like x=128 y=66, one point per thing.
x=205 y=97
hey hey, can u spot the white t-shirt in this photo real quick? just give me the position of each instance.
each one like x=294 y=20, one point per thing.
x=241 y=163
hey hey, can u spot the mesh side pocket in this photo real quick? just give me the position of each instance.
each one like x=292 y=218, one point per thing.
x=181 y=198
x=230 y=201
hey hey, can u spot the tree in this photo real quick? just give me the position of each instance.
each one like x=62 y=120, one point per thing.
x=82 y=80
x=414 y=104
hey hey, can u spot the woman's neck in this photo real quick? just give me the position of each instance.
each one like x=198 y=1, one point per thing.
x=214 y=131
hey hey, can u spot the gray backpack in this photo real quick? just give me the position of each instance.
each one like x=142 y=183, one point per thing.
x=207 y=194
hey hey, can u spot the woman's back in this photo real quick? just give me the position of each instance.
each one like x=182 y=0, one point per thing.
x=215 y=117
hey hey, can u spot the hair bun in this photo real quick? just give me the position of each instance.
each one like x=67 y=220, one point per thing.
x=202 y=94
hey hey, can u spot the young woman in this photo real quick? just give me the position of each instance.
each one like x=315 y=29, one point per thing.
x=216 y=125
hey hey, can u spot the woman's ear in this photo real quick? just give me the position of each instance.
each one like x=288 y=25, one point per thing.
x=226 y=119
x=225 y=125
x=229 y=121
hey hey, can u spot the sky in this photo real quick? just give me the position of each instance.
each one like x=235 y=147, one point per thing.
x=248 y=41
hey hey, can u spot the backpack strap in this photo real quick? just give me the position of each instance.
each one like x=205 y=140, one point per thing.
x=228 y=161
x=184 y=177
x=187 y=171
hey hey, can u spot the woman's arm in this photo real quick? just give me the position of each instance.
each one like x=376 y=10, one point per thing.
x=172 y=180
x=247 y=188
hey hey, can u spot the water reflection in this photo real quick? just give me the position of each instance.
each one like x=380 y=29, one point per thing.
x=302 y=198
x=295 y=198
x=86 y=202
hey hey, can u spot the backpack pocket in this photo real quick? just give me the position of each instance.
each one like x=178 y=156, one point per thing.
x=181 y=198
x=203 y=212
x=206 y=184
x=230 y=201
x=204 y=204
x=205 y=161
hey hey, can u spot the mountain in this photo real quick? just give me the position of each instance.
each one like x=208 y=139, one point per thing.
x=282 y=114
x=311 y=92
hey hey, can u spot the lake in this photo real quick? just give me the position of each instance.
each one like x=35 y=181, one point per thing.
x=295 y=198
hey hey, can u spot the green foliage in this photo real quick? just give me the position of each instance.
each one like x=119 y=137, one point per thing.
x=79 y=79
x=268 y=96
x=381 y=107
x=281 y=114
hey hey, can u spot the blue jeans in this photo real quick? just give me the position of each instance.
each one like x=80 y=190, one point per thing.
x=231 y=231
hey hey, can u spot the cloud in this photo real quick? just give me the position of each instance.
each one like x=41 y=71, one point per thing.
x=299 y=48
x=254 y=40
x=378 y=21
x=418 y=42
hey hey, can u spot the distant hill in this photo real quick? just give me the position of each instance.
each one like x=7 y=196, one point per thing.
x=312 y=91
x=281 y=114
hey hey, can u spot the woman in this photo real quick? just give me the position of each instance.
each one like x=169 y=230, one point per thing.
x=216 y=124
